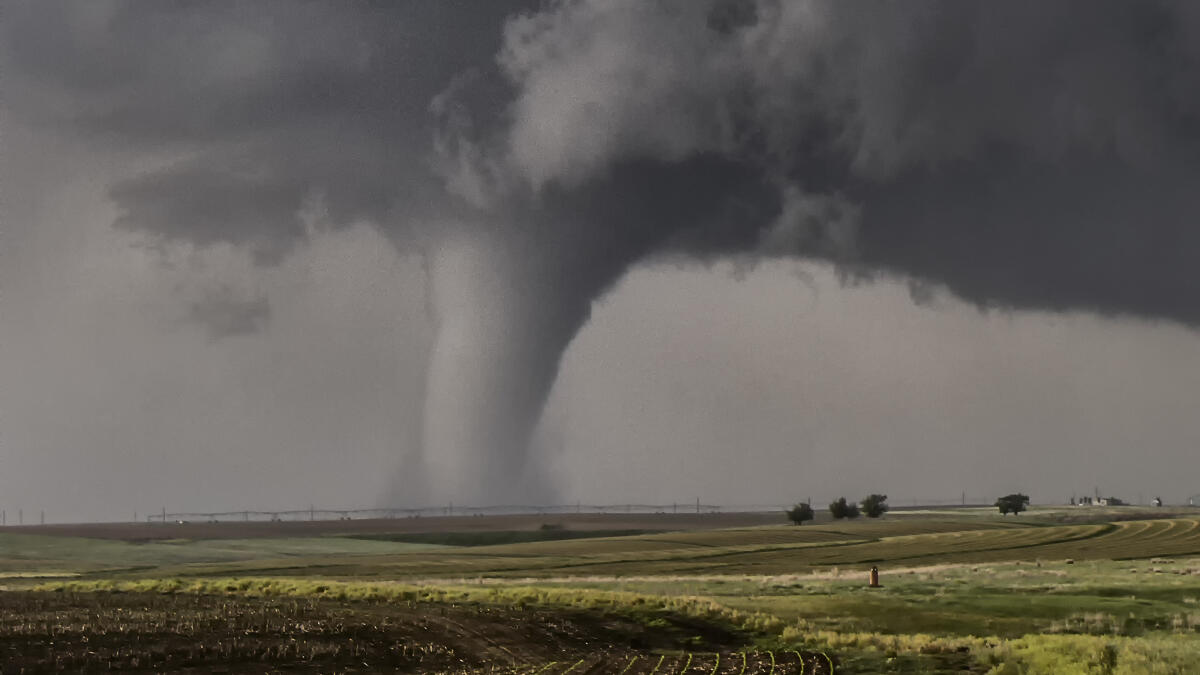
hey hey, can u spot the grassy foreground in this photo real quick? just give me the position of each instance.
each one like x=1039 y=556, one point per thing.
x=1085 y=624
x=960 y=593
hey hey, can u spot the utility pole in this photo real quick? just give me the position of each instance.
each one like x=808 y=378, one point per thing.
x=697 y=505
x=43 y=516
x=20 y=517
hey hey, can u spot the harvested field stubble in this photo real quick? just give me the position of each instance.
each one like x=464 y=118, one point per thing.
x=141 y=631
x=156 y=632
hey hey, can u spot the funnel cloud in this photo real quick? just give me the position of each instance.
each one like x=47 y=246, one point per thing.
x=1022 y=155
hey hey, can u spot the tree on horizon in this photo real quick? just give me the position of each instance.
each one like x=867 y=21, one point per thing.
x=800 y=513
x=1014 y=503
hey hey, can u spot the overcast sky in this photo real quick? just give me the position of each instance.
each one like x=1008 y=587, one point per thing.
x=261 y=255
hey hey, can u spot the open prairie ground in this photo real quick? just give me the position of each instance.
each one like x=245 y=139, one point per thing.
x=962 y=590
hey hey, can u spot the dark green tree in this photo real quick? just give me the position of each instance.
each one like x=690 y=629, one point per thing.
x=841 y=509
x=800 y=513
x=874 y=505
x=1014 y=504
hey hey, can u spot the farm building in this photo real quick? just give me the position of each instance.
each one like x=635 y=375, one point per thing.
x=1099 y=501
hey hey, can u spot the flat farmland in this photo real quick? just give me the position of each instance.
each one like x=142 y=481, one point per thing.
x=962 y=591
x=771 y=550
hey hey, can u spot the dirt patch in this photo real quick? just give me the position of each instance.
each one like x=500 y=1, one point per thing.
x=151 y=632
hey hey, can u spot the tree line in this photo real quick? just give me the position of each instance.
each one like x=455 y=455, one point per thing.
x=875 y=505
x=872 y=506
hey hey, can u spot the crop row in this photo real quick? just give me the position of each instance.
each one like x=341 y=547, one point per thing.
x=789 y=662
x=1129 y=539
x=785 y=551
x=698 y=541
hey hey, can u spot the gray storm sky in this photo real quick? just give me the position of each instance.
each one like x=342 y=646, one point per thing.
x=223 y=301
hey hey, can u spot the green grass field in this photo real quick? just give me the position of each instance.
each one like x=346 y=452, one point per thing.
x=961 y=591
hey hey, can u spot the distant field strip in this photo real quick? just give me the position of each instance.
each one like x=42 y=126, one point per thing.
x=21 y=552
x=779 y=551
x=755 y=536
x=762 y=551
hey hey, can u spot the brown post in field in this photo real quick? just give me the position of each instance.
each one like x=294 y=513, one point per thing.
x=874 y=577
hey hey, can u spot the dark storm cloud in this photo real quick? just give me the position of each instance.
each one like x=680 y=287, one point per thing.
x=261 y=105
x=1024 y=154
x=1041 y=155
x=207 y=206
x=1083 y=233
x=224 y=313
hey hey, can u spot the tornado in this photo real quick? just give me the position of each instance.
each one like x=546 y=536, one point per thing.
x=511 y=289
x=502 y=324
